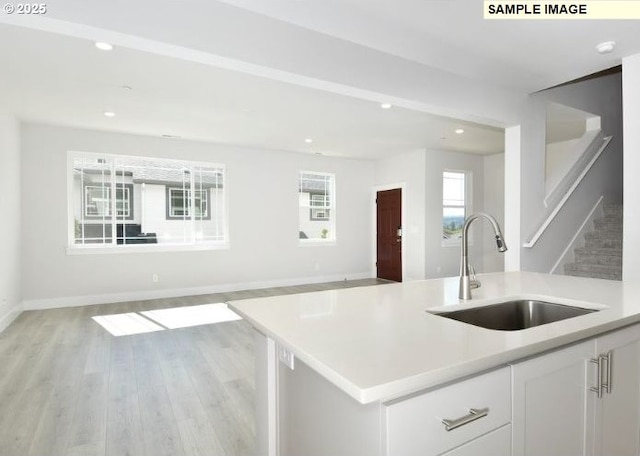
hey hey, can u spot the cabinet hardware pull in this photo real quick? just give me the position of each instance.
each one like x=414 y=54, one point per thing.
x=598 y=388
x=474 y=414
x=607 y=377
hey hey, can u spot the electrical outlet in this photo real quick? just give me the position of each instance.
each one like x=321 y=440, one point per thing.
x=155 y=278
x=286 y=357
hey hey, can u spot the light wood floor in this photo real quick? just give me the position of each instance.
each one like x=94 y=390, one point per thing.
x=68 y=387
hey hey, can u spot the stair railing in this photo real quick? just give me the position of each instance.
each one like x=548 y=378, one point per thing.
x=543 y=227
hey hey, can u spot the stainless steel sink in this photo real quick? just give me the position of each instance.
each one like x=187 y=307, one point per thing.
x=515 y=315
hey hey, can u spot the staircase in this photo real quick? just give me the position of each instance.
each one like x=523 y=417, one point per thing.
x=601 y=256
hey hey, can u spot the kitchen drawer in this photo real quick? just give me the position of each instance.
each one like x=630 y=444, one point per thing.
x=495 y=443
x=413 y=427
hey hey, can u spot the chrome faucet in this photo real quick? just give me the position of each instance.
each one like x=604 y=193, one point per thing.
x=467 y=282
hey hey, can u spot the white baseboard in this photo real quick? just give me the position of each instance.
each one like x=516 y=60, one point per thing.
x=10 y=316
x=85 y=300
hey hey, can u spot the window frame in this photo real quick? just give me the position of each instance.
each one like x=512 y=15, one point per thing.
x=329 y=209
x=317 y=208
x=466 y=206
x=113 y=247
x=119 y=186
x=169 y=199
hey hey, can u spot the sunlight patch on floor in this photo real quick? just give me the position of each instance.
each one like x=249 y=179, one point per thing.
x=182 y=317
x=126 y=324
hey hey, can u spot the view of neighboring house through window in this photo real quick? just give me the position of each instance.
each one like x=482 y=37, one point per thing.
x=157 y=201
x=453 y=206
x=319 y=207
x=179 y=203
x=316 y=196
x=98 y=201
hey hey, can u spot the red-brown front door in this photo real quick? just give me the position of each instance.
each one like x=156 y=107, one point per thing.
x=389 y=234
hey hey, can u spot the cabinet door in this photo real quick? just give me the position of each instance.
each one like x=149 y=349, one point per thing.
x=552 y=404
x=617 y=413
x=496 y=443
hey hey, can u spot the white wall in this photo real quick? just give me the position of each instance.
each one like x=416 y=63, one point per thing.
x=602 y=97
x=512 y=191
x=408 y=169
x=631 y=100
x=559 y=159
x=444 y=261
x=264 y=237
x=492 y=260
x=420 y=174
x=10 y=227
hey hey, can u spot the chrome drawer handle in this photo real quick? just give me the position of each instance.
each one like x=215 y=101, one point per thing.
x=474 y=414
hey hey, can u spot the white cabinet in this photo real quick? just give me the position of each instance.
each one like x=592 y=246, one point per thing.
x=617 y=413
x=543 y=406
x=317 y=419
x=472 y=408
x=496 y=443
x=551 y=403
x=557 y=408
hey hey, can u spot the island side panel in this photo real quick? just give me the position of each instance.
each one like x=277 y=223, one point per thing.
x=266 y=395
x=318 y=419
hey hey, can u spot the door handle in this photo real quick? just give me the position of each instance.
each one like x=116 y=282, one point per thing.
x=603 y=376
x=606 y=384
x=598 y=388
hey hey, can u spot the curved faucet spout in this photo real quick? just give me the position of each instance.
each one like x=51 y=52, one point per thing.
x=465 y=281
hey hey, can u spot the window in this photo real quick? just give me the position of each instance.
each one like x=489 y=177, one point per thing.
x=98 y=204
x=179 y=203
x=453 y=206
x=319 y=206
x=316 y=197
x=157 y=201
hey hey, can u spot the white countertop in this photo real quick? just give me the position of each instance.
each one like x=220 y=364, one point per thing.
x=377 y=343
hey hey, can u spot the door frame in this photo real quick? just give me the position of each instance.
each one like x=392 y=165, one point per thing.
x=374 y=219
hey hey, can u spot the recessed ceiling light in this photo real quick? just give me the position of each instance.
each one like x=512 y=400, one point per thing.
x=109 y=114
x=103 y=45
x=385 y=105
x=308 y=140
x=605 y=47
x=459 y=131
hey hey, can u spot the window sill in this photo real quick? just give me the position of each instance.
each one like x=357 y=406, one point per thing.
x=316 y=242
x=155 y=248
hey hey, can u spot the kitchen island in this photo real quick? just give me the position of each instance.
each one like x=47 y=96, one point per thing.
x=361 y=355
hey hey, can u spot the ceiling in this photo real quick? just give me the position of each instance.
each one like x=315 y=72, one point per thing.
x=453 y=35
x=66 y=81
x=271 y=74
